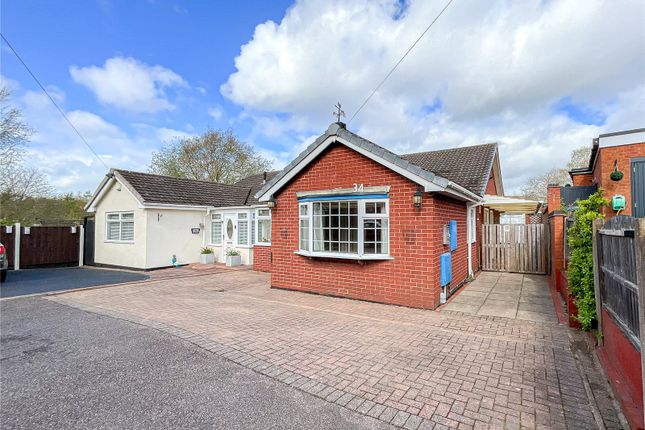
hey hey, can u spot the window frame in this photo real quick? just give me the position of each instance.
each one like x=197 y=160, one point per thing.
x=362 y=215
x=243 y=218
x=473 y=225
x=217 y=219
x=258 y=219
x=120 y=221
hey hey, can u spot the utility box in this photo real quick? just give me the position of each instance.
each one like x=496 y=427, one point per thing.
x=445 y=263
x=446 y=234
x=618 y=202
x=453 y=235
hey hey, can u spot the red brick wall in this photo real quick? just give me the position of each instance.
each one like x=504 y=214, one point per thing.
x=604 y=167
x=582 y=180
x=491 y=188
x=553 y=198
x=410 y=279
x=556 y=230
x=262 y=258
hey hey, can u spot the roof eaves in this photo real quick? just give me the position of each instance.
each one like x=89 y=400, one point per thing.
x=494 y=152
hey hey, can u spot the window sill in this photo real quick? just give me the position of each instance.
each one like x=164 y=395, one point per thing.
x=262 y=244
x=344 y=256
x=127 y=242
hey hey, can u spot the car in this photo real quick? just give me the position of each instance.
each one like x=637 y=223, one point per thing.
x=4 y=263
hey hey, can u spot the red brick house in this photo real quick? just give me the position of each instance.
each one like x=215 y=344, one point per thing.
x=352 y=219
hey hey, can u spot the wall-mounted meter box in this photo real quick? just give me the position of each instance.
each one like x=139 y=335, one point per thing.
x=446 y=234
x=618 y=202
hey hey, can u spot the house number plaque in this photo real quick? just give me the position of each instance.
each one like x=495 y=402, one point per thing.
x=358 y=188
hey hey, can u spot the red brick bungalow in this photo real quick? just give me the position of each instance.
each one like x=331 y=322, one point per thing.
x=352 y=219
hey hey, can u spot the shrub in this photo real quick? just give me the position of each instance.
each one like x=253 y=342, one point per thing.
x=580 y=273
x=207 y=250
x=232 y=252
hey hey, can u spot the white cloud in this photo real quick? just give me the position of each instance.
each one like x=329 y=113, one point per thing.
x=129 y=84
x=487 y=71
x=216 y=112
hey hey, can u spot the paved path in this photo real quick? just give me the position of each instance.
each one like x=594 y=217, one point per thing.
x=62 y=368
x=407 y=367
x=510 y=295
x=38 y=281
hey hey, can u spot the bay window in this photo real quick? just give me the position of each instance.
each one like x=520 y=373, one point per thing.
x=120 y=227
x=344 y=228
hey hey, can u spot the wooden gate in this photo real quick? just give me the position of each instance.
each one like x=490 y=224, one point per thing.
x=517 y=248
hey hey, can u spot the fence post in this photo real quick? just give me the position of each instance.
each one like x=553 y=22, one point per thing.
x=639 y=254
x=16 y=247
x=597 y=225
x=81 y=245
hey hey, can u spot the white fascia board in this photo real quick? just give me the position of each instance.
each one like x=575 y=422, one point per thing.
x=175 y=207
x=428 y=185
x=99 y=193
x=462 y=192
x=218 y=208
x=621 y=139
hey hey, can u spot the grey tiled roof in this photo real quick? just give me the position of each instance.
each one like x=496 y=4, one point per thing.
x=255 y=182
x=168 y=190
x=468 y=166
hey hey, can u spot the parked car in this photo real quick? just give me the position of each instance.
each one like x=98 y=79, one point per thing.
x=4 y=263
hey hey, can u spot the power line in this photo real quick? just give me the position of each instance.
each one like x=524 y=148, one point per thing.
x=400 y=61
x=53 y=101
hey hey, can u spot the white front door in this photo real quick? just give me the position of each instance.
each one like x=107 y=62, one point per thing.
x=229 y=228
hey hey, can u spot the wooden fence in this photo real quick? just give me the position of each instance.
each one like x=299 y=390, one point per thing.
x=41 y=246
x=520 y=248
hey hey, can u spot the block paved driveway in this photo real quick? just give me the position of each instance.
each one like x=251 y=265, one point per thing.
x=411 y=368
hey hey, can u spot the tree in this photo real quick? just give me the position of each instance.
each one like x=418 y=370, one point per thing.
x=14 y=133
x=216 y=155
x=536 y=186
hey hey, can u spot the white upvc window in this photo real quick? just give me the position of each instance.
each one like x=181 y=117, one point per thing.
x=344 y=228
x=216 y=229
x=119 y=227
x=263 y=223
x=242 y=229
x=473 y=225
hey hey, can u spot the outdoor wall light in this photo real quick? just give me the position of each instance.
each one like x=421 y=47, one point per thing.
x=271 y=203
x=417 y=198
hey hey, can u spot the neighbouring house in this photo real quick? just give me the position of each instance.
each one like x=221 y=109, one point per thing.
x=143 y=220
x=352 y=219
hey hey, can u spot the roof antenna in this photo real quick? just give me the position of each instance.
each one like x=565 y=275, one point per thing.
x=338 y=113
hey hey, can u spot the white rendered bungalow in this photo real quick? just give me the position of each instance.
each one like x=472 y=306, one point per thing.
x=143 y=220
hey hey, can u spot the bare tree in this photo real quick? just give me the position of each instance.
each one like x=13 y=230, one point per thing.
x=536 y=186
x=14 y=133
x=216 y=156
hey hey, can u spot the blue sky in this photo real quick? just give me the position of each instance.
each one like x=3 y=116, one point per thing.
x=539 y=78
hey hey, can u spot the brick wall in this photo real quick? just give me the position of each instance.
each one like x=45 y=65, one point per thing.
x=604 y=167
x=262 y=258
x=410 y=279
x=553 y=198
x=582 y=180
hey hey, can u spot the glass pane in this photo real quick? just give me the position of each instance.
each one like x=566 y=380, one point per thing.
x=113 y=231
x=353 y=207
x=370 y=208
x=243 y=233
x=369 y=248
x=379 y=207
x=112 y=216
x=127 y=230
x=229 y=229
x=241 y=216
x=264 y=230
x=264 y=212
x=128 y=215
x=217 y=216
x=216 y=233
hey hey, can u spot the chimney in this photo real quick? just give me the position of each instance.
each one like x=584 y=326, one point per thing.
x=264 y=178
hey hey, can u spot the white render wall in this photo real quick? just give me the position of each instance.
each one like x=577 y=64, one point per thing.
x=113 y=253
x=169 y=232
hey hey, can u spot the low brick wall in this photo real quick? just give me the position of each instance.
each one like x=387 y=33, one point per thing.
x=262 y=258
x=622 y=361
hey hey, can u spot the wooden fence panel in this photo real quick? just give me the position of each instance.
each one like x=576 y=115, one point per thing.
x=514 y=248
x=43 y=246
x=617 y=272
